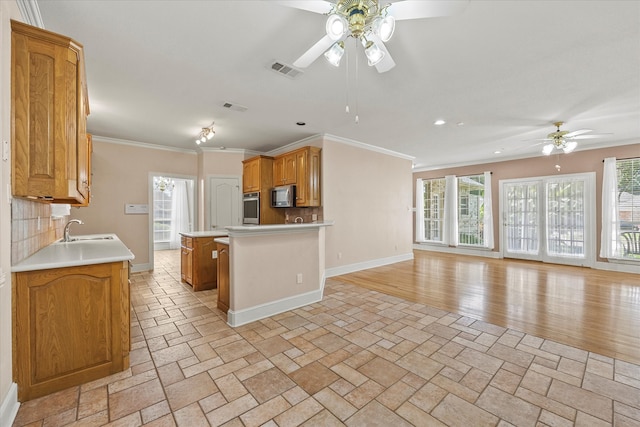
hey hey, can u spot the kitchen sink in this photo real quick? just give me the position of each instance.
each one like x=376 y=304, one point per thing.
x=85 y=238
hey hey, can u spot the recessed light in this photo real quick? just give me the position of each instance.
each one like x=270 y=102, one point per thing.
x=460 y=123
x=439 y=122
x=497 y=152
x=300 y=123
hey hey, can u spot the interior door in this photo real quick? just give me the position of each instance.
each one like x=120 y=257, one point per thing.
x=224 y=202
x=549 y=219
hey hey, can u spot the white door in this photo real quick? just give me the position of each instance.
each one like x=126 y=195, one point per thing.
x=549 y=219
x=224 y=202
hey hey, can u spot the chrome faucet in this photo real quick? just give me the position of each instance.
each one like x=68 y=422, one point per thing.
x=298 y=218
x=66 y=229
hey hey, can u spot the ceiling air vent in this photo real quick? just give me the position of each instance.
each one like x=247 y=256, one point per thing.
x=235 y=107
x=285 y=70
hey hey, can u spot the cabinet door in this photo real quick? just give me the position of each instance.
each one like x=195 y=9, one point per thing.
x=48 y=116
x=223 y=277
x=278 y=171
x=203 y=264
x=289 y=172
x=247 y=177
x=69 y=327
x=308 y=177
x=186 y=261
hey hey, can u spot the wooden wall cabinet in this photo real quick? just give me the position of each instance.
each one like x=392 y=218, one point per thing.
x=224 y=294
x=302 y=168
x=284 y=169
x=308 y=177
x=257 y=176
x=71 y=326
x=198 y=267
x=49 y=110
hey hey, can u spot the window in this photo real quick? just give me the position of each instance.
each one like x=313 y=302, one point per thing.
x=471 y=210
x=455 y=211
x=433 y=192
x=628 y=194
x=161 y=215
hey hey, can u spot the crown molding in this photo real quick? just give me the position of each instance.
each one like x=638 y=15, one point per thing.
x=141 y=144
x=30 y=12
x=364 y=146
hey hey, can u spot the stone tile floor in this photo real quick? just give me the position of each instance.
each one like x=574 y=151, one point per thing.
x=357 y=358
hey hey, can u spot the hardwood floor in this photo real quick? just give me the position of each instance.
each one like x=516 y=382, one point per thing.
x=594 y=310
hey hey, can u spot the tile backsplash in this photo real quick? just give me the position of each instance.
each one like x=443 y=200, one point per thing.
x=306 y=214
x=32 y=228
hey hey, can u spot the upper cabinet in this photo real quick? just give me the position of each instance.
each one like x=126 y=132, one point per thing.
x=284 y=169
x=50 y=146
x=257 y=174
x=302 y=168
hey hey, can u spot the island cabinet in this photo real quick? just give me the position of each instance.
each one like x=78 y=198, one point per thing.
x=223 y=276
x=71 y=326
x=49 y=111
x=198 y=267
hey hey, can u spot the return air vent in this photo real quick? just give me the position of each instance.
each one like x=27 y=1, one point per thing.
x=235 y=107
x=285 y=70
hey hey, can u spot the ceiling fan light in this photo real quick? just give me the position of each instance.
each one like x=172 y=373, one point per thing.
x=336 y=26
x=373 y=52
x=569 y=146
x=334 y=54
x=198 y=141
x=210 y=134
x=547 y=149
x=384 y=27
x=203 y=139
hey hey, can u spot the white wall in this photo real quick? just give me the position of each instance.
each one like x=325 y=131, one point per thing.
x=8 y=398
x=369 y=196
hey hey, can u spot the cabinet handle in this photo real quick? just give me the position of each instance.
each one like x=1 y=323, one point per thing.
x=223 y=251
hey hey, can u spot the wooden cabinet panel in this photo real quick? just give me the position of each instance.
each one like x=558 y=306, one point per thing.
x=198 y=267
x=71 y=326
x=224 y=294
x=284 y=169
x=257 y=177
x=308 y=177
x=48 y=110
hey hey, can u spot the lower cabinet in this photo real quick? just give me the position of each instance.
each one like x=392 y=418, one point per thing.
x=198 y=267
x=223 y=277
x=72 y=326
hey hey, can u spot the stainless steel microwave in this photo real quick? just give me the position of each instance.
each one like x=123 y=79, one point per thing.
x=283 y=196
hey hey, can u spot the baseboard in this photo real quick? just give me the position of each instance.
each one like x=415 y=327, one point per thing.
x=351 y=268
x=618 y=266
x=481 y=252
x=9 y=408
x=136 y=268
x=248 y=315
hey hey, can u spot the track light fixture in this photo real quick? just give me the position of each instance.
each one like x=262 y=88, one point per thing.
x=205 y=134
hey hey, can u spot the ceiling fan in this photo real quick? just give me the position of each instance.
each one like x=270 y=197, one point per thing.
x=565 y=140
x=369 y=22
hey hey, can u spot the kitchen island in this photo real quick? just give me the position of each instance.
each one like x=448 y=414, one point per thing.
x=198 y=260
x=274 y=268
x=71 y=314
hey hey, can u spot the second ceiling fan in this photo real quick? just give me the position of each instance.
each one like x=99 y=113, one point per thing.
x=369 y=23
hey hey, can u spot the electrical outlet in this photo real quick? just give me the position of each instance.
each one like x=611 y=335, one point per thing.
x=214 y=254
x=299 y=278
x=314 y=217
x=339 y=255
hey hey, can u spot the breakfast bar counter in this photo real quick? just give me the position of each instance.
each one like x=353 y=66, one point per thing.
x=274 y=268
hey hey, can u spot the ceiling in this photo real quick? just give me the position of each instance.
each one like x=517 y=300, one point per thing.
x=499 y=73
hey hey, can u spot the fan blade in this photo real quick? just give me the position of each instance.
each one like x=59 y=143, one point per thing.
x=601 y=135
x=417 y=9
x=316 y=6
x=314 y=52
x=577 y=132
x=387 y=62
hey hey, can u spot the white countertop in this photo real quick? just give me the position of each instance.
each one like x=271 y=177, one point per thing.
x=210 y=233
x=85 y=250
x=238 y=230
x=223 y=240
